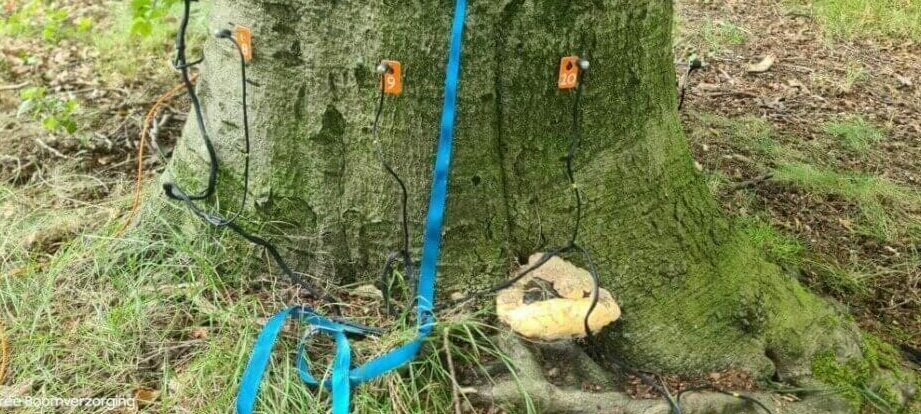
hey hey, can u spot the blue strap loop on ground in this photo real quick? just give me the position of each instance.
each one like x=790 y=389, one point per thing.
x=342 y=377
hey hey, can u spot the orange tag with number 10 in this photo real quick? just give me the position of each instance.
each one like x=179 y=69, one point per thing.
x=244 y=37
x=569 y=72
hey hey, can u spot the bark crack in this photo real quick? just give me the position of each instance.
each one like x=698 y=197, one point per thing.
x=503 y=25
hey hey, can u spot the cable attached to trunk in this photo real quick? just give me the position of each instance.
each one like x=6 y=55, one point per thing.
x=572 y=245
x=386 y=276
x=172 y=189
x=175 y=192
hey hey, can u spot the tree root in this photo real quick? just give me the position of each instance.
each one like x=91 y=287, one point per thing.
x=529 y=384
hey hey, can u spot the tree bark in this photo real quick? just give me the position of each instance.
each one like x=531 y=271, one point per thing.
x=695 y=295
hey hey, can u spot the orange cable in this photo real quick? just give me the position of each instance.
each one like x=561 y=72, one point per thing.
x=139 y=180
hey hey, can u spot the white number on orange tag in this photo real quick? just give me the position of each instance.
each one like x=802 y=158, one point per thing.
x=393 y=77
x=569 y=72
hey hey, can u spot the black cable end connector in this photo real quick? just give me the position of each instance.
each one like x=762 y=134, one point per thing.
x=168 y=188
x=223 y=34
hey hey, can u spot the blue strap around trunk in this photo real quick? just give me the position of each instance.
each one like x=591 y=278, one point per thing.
x=343 y=376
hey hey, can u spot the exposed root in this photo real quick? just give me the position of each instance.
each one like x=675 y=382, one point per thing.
x=568 y=393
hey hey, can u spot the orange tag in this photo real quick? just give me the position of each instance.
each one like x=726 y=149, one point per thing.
x=569 y=72
x=244 y=37
x=393 y=77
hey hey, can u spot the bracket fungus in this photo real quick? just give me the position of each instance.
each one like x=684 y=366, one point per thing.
x=550 y=303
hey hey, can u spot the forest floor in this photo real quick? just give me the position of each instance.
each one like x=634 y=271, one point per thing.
x=805 y=119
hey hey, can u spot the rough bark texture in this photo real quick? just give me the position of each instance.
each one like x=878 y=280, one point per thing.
x=694 y=295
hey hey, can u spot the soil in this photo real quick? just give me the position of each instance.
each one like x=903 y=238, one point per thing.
x=111 y=108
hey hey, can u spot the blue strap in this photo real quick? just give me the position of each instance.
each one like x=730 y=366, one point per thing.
x=343 y=378
x=431 y=243
x=258 y=360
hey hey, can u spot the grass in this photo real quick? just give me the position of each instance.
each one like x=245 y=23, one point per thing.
x=100 y=317
x=745 y=134
x=714 y=37
x=856 y=133
x=753 y=132
x=782 y=248
x=874 y=196
x=43 y=20
x=860 y=18
x=854 y=280
x=854 y=74
x=721 y=35
x=125 y=53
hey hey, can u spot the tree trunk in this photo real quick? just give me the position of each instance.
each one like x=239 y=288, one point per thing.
x=695 y=296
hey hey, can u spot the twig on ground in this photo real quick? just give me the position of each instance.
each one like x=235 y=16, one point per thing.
x=749 y=183
x=731 y=93
x=14 y=87
x=48 y=148
x=155 y=133
x=4 y=353
x=455 y=387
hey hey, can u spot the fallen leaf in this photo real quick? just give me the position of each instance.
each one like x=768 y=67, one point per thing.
x=763 y=66
x=367 y=292
x=790 y=397
x=199 y=333
x=846 y=224
x=145 y=395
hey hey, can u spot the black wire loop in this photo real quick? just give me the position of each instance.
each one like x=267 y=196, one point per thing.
x=404 y=255
x=175 y=192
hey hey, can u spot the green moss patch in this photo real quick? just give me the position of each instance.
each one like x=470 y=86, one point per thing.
x=867 y=382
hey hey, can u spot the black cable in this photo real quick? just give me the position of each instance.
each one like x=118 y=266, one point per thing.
x=574 y=143
x=183 y=67
x=673 y=403
x=174 y=192
x=693 y=65
x=172 y=189
x=724 y=392
x=387 y=271
x=385 y=277
x=570 y=154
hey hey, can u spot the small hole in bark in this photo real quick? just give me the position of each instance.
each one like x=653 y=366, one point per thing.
x=772 y=355
x=476 y=180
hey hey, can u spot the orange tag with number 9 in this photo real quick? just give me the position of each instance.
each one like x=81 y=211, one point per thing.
x=393 y=77
x=244 y=37
x=569 y=72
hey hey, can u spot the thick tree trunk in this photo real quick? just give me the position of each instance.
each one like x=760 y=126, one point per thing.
x=694 y=295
